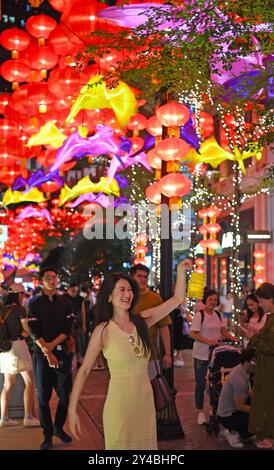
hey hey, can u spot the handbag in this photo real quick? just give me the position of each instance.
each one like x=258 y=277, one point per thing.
x=162 y=392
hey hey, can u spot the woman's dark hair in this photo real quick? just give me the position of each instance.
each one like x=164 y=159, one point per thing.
x=103 y=310
x=249 y=312
x=266 y=291
x=208 y=293
x=12 y=298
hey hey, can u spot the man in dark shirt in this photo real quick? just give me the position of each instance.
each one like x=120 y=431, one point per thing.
x=50 y=321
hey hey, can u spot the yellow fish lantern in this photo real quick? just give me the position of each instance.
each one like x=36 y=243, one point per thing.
x=85 y=185
x=15 y=197
x=196 y=285
x=96 y=95
x=48 y=134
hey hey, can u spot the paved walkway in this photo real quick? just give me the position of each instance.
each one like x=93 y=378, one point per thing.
x=90 y=409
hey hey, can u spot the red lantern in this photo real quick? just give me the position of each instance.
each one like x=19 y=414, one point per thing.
x=4 y=101
x=137 y=144
x=40 y=26
x=15 y=71
x=213 y=212
x=153 y=193
x=173 y=114
x=14 y=39
x=66 y=82
x=137 y=122
x=172 y=149
x=175 y=185
x=213 y=244
x=42 y=58
x=203 y=213
x=58 y=5
x=140 y=250
x=8 y=129
x=213 y=228
x=50 y=187
x=203 y=230
x=60 y=41
x=206 y=124
x=154 y=160
x=154 y=126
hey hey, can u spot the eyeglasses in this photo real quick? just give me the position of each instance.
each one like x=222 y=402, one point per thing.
x=136 y=348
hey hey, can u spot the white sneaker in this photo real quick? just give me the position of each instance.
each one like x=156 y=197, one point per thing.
x=201 y=418
x=5 y=423
x=31 y=422
x=233 y=440
x=179 y=363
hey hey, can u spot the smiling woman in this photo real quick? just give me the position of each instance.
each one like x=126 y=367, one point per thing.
x=129 y=413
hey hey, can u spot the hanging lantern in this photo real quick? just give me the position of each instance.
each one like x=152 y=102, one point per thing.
x=42 y=58
x=173 y=114
x=8 y=129
x=153 y=193
x=174 y=186
x=14 y=40
x=206 y=124
x=154 y=126
x=137 y=144
x=213 y=245
x=172 y=149
x=15 y=71
x=60 y=41
x=213 y=212
x=213 y=228
x=137 y=123
x=259 y=267
x=40 y=26
x=4 y=101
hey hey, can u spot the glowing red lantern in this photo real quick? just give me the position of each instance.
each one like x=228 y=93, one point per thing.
x=8 y=129
x=213 y=228
x=15 y=71
x=154 y=160
x=212 y=244
x=50 y=187
x=203 y=213
x=213 y=212
x=175 y=184
x=58 y=5
x=172 y=148
x=42 y=58
x=173 y=114
x=203 y=230
x=137 y=144
x=4 y=101
x=14 y=40
x=40 y=26
x=206 y=124
x=154 y=126
x=81 y=18
x=137 y=122
x=60 y=41
x=153 y=193
x=140 y=250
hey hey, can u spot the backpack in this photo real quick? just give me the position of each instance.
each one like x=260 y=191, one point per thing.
x=5 y=341
x=203 y=315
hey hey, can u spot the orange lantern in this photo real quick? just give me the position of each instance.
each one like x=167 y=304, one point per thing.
x=174 y=186
x=154 y=126
x=173 y=114
x=153 y=193
x=14 y=40
x=213 y=244
x=172 y=148
x=213 y=228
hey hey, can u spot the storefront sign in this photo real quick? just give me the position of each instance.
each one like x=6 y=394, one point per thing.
x=227 y=240
x=259 y=236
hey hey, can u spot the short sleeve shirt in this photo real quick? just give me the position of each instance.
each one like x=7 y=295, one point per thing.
x=210 y=329
x=237 y=384
x=13 y=321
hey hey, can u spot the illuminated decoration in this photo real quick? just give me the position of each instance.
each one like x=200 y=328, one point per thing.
x=30 y=211
x=211 y=243
x=121 y=163
x=40 y=26
x=153 y=193
x=36 y=179
x=105 y=185
x=49 y=134
x=196 y=285
x=102 y=142
x=140 y=249
x=14 y=40
x=95 y=94
x=223 y=272
x=200 y=265
x=173 y=114
x=174 y=186
x=100 y=199
x=15 y=197
x=131 y=16
x=259 y=267
x=137 y=123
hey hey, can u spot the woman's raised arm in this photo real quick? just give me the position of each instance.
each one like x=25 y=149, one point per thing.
x=153 y=315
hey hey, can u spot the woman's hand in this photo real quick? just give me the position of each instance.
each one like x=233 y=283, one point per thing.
x=74 y=424
x=184 y=265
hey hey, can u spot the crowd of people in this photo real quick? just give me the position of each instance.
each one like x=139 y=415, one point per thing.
x=119 y=329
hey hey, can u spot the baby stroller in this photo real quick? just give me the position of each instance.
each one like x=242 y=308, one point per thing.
x=222 y=359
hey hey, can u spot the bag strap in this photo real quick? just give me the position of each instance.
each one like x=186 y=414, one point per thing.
x=157 y=368
x=6 y=316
